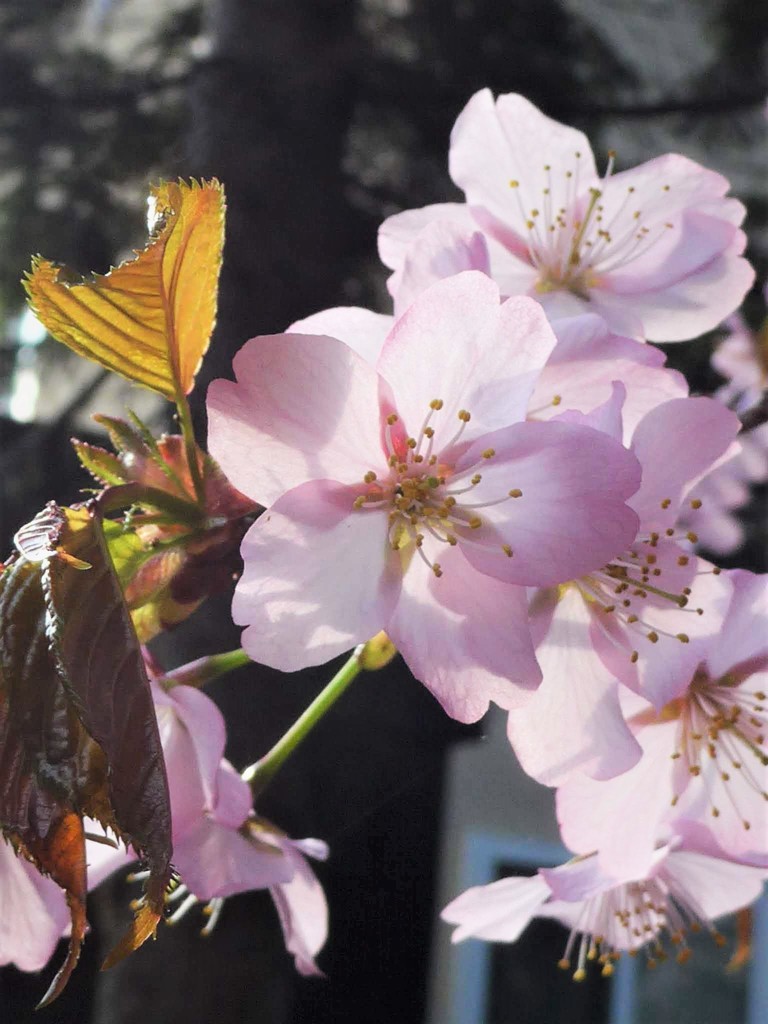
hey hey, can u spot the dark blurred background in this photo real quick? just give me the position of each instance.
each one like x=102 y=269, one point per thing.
x=321 y=117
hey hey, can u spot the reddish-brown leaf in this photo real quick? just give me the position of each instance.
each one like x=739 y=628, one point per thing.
x=78 y=733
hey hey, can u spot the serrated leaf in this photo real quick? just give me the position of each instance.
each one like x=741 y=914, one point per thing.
x=104 y=466
x=78 y=733
x=150 y=319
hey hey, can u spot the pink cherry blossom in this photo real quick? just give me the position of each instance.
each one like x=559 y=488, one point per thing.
x=679 y=891
x=704 y=754
x=655 y=250
x=409 y=496
x=220 y=846
x=645 y=619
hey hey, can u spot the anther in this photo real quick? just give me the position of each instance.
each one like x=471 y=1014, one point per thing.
x=507 y=550
x=489 y=453
x=516 y=493
x=557 y=399
x=666 y=503
x=696 y=503
x=437 y=570
x=436 y=404
x=692 y=537
x=369 y=477
x=653 y=637
x=464 y=416
x=392 y=419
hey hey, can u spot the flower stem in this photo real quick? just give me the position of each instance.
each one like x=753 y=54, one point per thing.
x=198 y=673
x=190 y=447
x=371 y=656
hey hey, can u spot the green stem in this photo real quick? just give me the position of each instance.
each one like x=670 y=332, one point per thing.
x=188 y=431
x=260 y=774
x=198 y=673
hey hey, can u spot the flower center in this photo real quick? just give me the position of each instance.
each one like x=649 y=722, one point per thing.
x=426 y=496
x=630 y=917
x=650 y=573
x=722 y=728
x=575 y=244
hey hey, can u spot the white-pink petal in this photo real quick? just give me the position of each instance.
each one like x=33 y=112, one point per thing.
x=319 y=577
x=303 y=408
x=498 y=912
x=465 y=636
x=573 y=723
x=456 y=343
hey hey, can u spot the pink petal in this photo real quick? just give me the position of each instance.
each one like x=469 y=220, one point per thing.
x=494 y=143
x=235 y=799
x=188 y=797
x=675 y=443
x=571 y=517
x=607 y=418
x=588 y=357
x=687 y=244
x=573 y=722
x=577 y=880
x=204 y=723
x=441 y=250
x=359 y=328
x=34 y=913
x=303 y=913
x=303 y=408
x=214 y=860
x=457 y=344
x=465 y=636
x=717 y=886
x=744 y=636
x=691 y=306
x=319 y=577
x=498 y=912
x=622 y=817
x=399 y=231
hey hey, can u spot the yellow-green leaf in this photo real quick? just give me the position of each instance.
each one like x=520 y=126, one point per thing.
x=151 y=318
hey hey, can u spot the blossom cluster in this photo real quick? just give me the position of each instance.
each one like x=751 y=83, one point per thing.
x=504 y=477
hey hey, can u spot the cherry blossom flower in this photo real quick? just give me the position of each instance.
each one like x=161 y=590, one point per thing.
x=220 y=846
x=409 y=496
x=681 y=891
x=705 y=755
x=655 y=250
x=645 y=619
